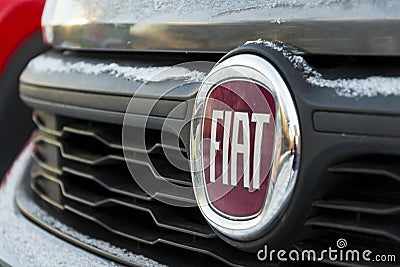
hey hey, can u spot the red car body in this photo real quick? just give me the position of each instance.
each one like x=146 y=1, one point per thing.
x=21 y=40
x=19 y=19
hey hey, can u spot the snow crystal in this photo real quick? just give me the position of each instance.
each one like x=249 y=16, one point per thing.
x=24 y=244
x=367 y=87
x=277 y=21
x=46 y=64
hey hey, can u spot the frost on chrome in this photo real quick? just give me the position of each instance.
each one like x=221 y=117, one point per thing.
x=45 y=64
x=24 y=244
x=145 y=11
x=367 y=87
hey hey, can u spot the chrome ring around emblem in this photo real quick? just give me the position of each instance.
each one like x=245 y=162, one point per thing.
x=285 y=153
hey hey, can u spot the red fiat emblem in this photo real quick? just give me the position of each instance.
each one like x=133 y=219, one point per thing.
x=238 y=143
x=245 y=146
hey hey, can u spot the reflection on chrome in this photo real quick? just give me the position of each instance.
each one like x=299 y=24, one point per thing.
x=216 y=26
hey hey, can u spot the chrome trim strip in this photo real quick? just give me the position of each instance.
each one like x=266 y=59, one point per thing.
x=342 y=27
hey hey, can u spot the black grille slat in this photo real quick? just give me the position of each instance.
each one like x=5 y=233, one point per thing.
x=160 y=213
x=358 y=206
x=85 y=157
x=100 y=160
x=101 y=134
x=374 y=227
x=388 y=168
x=115 y=182
x=111 y=183
x=41 y=162
x=40 y=189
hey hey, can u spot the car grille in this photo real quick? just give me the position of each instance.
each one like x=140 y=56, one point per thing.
x=361 y=206
x=79 y=168
x=79 y=175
